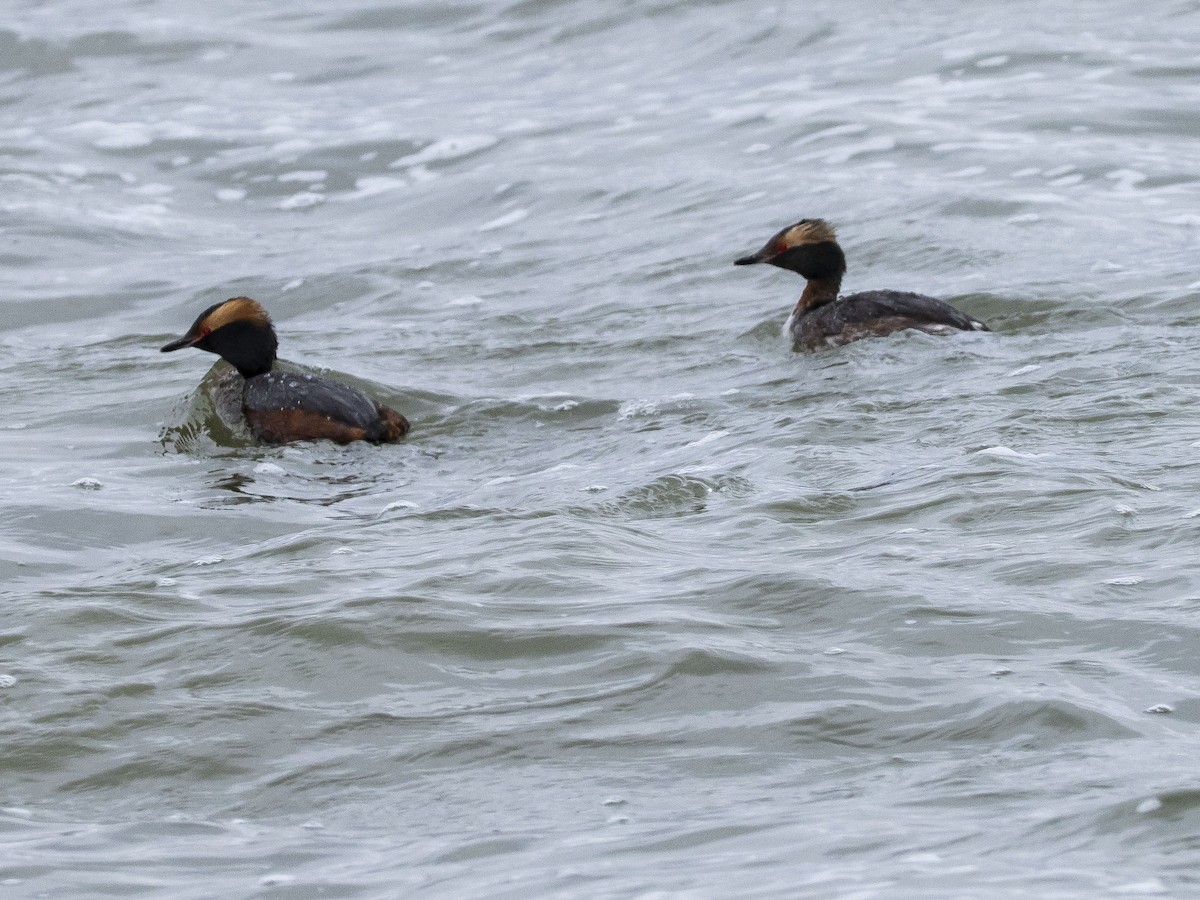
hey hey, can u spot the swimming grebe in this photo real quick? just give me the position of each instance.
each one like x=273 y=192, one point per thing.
x=286 y=406
x=821 y=319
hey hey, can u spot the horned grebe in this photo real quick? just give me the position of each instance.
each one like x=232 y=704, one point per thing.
x=821 y=319
x=286 y=406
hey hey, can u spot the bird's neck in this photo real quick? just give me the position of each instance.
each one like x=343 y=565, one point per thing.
x=818 y=292
x=249 y=348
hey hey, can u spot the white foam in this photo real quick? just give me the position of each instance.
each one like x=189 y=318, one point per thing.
x=1125 y=178
x=152 y=189
x=306 y=176
x=1024 y=370
x=376 y=184
x=447 y=149
x=1008 y=453
x=708 y=438
x=504 y=221
x=302 y=200
x=632 y=408
x=1058 y=170
x=871 y=145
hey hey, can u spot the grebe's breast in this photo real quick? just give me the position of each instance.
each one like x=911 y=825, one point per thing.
x=870 y=313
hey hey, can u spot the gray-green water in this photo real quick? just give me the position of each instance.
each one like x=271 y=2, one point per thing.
x=648 y=605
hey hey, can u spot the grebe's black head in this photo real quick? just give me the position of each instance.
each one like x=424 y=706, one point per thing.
x=809 y=247
x=239 y=331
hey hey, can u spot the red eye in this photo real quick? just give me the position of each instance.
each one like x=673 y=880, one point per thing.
x=780 y=248
x=205 y=331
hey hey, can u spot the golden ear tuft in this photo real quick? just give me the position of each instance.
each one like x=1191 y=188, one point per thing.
x=810 y=231
x=237 y=309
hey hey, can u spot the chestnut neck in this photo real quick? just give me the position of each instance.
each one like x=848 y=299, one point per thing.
x=821 y=264
x=818 y=292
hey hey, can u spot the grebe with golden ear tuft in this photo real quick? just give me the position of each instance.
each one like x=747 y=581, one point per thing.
x=281 y=407
x=822 y=319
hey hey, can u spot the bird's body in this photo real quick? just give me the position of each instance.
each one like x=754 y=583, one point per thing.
x=869 y=313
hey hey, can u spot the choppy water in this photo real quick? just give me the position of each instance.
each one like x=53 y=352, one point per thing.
x=648 y=605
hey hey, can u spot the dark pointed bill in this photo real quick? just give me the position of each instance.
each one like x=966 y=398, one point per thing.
x=760 y=257
x=186 y=341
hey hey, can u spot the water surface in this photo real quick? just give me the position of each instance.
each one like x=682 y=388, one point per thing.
x=648 y=605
